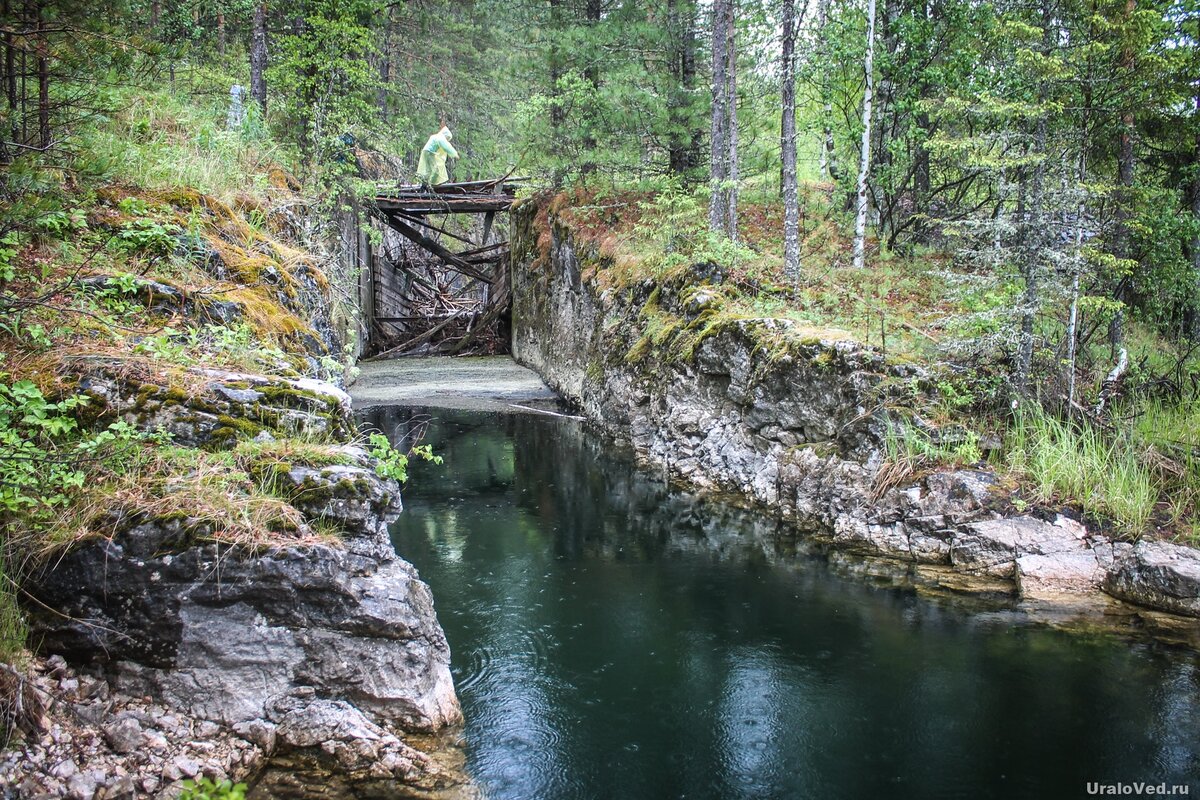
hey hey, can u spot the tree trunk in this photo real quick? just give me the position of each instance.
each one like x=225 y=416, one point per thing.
x=886 y=120
x=731 y=201
x=155 y=14
x=1124 y=195
x=10 y=78
x=592 y=73
x=864 y=164
x=1033 y=230
x=385 y=65
x=557 y=116
x=787 y=144
x=682 y=155
x=43 y=67
x=1076 y=268
x=1195 y=198
x=719 y=159
x=829 y=167
x=258 y=56
x=221 y=32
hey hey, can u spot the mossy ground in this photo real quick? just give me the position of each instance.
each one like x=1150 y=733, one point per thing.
x=162 y=195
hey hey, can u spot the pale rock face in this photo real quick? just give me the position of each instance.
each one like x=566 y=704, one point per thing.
x=1159 y=575
x=249 y=638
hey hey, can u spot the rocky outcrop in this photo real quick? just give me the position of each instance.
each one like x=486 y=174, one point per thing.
x=275 y=640
x=1158 y=575
x=781 y=417
x=97 y=742
x=224 y=634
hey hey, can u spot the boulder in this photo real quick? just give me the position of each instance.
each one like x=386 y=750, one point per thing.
x=993 y=547
x=1158 y=575
x=223 y=632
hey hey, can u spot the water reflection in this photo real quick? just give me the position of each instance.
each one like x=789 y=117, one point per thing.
x=614 y=638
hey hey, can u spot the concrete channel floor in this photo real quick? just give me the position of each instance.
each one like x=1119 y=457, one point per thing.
x=483 y=383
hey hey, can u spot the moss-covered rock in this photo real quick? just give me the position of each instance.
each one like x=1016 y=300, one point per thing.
x=216 y=409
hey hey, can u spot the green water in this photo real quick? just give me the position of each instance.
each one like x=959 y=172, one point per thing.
x=616 y=639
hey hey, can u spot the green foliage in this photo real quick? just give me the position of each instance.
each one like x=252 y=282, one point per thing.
x=232 y=345
x=390 y=462
x=8 y=249
x=43 y=451
x=35 y=472
x=142 y=145
x=148 y=236
x=330 y=45
x=208 y=789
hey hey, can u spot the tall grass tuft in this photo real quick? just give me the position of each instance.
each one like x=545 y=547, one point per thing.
x=1076 y=462
x=13 y=631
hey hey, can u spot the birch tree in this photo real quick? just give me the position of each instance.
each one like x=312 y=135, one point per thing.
x=787 y=143
x=258 y=56
x=864 y=162
x=828 y=163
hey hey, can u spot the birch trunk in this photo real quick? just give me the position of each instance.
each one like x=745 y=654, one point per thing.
x=258 y=56
x=864 y=163
x=731 y=124
x=719 y=160
x=787 y=145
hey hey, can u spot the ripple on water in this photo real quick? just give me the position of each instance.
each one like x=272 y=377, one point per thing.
x=526 y=750
x=523 y=653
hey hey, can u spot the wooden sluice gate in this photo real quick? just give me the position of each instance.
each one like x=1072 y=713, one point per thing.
x=442 y=287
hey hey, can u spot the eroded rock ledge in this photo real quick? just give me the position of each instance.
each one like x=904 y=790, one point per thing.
x=326 y=647
x=792 y=422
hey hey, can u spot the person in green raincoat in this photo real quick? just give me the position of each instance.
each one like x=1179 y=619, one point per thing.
x=431 y=169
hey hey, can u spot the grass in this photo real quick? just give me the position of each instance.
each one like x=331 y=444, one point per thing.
x=1103 y=473
x=655 y=232
x=13 y=630
x=219 y=496
x=159 y=140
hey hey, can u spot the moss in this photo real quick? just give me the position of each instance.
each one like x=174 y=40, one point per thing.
x=231 y=428
x=291 y=397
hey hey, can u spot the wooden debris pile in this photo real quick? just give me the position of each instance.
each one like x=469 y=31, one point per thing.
x=430 y=298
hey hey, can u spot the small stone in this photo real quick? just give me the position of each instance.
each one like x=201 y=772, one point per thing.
x=156 y=741
x=121 y=787
x=81 y=786
x=188 y=767
x=149 y=784
x=64 y=769
x=124 y=736
x=206 y=729
x=259 y=732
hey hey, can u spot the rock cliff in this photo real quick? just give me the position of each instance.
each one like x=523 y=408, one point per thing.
x=788 y=419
